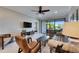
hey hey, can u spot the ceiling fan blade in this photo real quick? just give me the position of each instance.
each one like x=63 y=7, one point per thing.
x=45 y=10
x=40 y=11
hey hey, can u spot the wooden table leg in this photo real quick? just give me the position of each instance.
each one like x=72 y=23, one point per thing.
x=39 y=41
x=40 y=46
x=2 y=43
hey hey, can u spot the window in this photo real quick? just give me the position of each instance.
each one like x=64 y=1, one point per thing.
x=55 y=24
x=59 y=25
x=50 y=25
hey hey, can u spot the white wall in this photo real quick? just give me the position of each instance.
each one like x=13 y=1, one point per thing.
x=43 y=26
x=11 y=21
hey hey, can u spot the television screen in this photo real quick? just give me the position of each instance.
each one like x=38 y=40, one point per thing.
x=27 y=25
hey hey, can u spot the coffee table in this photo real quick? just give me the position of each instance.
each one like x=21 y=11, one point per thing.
x=39 y=38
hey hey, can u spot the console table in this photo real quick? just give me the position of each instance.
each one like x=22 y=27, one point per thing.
x=2 y=36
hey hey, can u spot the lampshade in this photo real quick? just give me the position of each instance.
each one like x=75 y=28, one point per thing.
x=71 y=29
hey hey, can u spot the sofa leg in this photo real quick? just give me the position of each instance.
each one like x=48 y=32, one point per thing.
x=50 y=50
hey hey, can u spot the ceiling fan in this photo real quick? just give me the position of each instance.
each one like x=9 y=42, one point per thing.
x=41 y=11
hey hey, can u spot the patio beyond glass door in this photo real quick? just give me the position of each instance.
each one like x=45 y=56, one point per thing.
x=54 y=26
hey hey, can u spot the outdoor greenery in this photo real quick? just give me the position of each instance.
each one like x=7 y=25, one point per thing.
x=57 y=26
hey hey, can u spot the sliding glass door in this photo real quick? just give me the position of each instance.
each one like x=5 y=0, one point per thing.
x=50 y=25
x=55 y=25
x=59 y=25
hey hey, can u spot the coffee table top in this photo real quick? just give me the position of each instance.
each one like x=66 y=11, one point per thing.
x=38 y=36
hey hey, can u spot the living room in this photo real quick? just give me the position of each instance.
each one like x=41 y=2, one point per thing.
x=39 y=23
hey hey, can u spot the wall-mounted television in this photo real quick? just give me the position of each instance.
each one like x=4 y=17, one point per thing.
x=27 y=24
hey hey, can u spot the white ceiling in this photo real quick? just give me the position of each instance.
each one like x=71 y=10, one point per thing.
x=62 y=11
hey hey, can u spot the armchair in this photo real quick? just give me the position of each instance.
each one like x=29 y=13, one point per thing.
x=62 y=47
x=26 y=47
